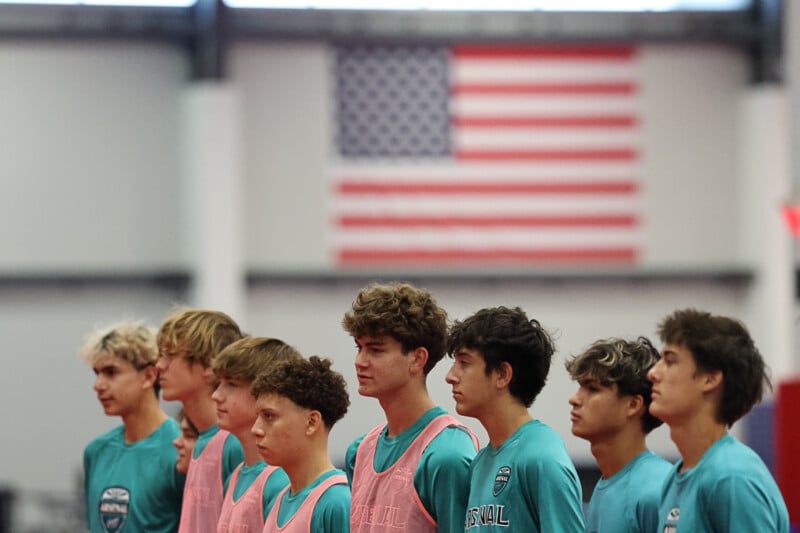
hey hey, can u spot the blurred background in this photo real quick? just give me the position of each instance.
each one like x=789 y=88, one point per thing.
x=597 y=168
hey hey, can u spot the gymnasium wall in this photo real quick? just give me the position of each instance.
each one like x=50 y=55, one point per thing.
x=94 y=227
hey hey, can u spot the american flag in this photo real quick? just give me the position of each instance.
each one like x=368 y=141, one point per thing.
x=481 y=156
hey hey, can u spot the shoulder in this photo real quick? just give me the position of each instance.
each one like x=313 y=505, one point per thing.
x=102 y=441
x=336 y=496
x=451 y=445
x=232 y=445
x=350 y=453
x=651 y=466
x=536 y=443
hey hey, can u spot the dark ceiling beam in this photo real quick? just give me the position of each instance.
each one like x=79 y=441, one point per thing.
x=209 y=45
x=172 y=24
x=208 y=28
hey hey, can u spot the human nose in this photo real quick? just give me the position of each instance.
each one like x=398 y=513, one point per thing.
x=361 y=359
x=217 y=395
x=574 y=400
x=178 y=442
x=652 y=374
x=451 y=377
x=99 y=383
x=256 y=430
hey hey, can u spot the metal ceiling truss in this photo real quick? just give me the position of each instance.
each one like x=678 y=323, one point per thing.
x=207 y=29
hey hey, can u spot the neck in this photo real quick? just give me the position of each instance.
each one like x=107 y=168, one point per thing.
x=307 y=468
x=694 y=438
x=503 y=419
x=402 y=410
x=613 y=453
x=144 y=421
x=249 y=447
x=201 y=410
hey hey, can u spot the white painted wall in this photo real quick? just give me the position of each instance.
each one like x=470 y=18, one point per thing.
x=88 y=157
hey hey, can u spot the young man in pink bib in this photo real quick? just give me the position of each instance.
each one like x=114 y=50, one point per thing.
x=254 y=484
x=188 y=341
x=410 y=474
x=298 y=401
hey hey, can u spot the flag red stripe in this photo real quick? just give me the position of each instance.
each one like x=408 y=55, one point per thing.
x=366 y=221
x=607 y=121
x=359 y=256
x=610 y=154
x=557 y=52
x=559 y=89
x=374 y=187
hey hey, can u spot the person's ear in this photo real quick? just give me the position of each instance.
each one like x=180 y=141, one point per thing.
x=418 y=360
x=635 y=405
x=712 y=380
x=313 y=422
x=150 y=373
x=504 y=373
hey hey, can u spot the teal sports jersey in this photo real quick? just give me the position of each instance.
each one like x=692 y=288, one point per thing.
x=232 y=453
x=133 y=487
x=274 y=485
x=332 y=512
x=628 y=501
x=442 y=477
x=527 y=484
x=729 y=490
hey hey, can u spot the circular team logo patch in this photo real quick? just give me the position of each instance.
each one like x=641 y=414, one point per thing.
x=114 y=504
x=501 y=480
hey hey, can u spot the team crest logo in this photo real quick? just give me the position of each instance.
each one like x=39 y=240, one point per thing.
x=501 y=480
x=674 y=514
x=114 y=504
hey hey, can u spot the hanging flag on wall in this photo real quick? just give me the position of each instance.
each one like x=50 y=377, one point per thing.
x=481 y=156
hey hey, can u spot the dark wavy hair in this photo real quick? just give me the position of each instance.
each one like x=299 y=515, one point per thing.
x=503 y=334
x=626 y=363
x=724 y=344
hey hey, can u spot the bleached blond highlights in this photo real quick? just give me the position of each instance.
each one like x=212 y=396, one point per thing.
x=621 y=362
x=132 y=341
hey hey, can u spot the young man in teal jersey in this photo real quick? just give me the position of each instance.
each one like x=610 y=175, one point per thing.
x=524 y=479
x=400 y=334
x=131 y=483
x=254 y=485
x=710 y=375
x=610 y=410
x=188 y=341
x=297 y=403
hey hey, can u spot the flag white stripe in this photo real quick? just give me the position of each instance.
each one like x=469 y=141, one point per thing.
x=533 y=138
x=474 y=205
x=537 y=71
x=394 y=171
x=515 y=105
x=481 y=239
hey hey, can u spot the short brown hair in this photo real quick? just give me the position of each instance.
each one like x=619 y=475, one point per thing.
x=198 y=334
x=246 y=358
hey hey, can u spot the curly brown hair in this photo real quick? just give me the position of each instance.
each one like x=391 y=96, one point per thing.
x=402 y=311
x=308 y=383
